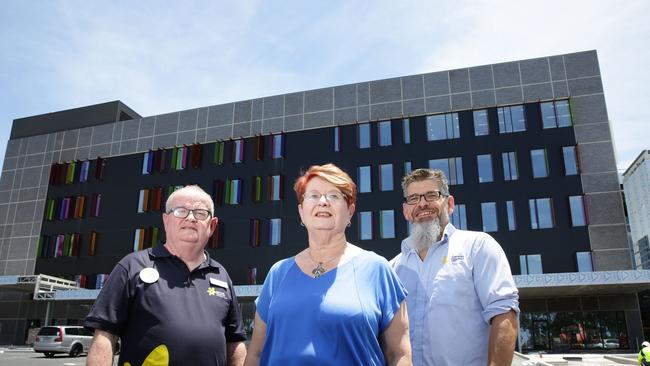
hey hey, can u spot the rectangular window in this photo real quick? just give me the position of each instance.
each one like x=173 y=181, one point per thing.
x=365 y=225
x=386 y=177
x=364 y=179
x=577 y=206
x=80 y=203
x=556 y=114
x=277 y=149
x=443 y=127
x=238 y=151
x=583 y=262
x=484 y=163
x=512 y=221
x=99 y=168
x=215 y=240
x=257 y=189
x=258 y=148
x=92 y=244
x=363 y=135
x=95 y=204
x=147 y=161
x=406 y=130
x=511 y=119
x=541 y=213
x=337 y=138
x=539 y=161
x=489 y=215
x=179 y=158
x=459 y=216
x=387 y=224
x=481 y=125
x=254 y=232
x=570 y=160
x=385 y=133
x=233 y=191
x=143 y=199
x=219 y=148
x=452 y=167
x=530 y=264
x=407 y=167
x=275 y=188
x=196 y=155
x=218 y=192
x=510 y=170
x=252 y=275
x=275 y=231
x=83 y=175
x=69 y=177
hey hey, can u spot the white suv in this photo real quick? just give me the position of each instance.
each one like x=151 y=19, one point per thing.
x=73 y=340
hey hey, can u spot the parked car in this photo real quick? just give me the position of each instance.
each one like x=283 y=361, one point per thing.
x=73 y=340
x=612 y=343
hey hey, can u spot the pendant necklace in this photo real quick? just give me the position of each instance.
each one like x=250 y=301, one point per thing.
x=320 y=268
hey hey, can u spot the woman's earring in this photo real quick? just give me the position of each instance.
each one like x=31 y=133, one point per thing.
x=302 y=223
x=349 y=223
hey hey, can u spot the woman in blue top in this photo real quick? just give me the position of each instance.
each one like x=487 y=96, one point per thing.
x=333 y=303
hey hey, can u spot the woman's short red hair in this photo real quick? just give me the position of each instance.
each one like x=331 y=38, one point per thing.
x=332 y=174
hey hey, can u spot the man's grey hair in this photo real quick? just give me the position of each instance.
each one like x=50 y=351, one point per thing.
x=435 y=175
x=187 y=189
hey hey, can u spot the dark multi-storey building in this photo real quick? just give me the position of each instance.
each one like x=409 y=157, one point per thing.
x=526 y=146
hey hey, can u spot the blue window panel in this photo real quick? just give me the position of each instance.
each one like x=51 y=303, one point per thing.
x=583 y=262
x=364 y=135
x=387 y=224
x=570 y=161
x=442 y=127
x=275 y=231
x=576 y=204
x=385 y=133
x=238 y=151
x=539 y=161
x=489 y=215
x=481 y=125
x=386 y=177
x=484 y=163
x=535 y=264
x=406 y=129
x=365 y=179
x=511 y=119
x=512 y=221
x=548 y=115
x=407 y=167
x=277 y=150
x=523 y=265
x=452 y=167
x=459 y=216
x=510 y=170
x=541 y=213
x=276 y=185
x=337 y=139
x=563 y=113
x=365 y=225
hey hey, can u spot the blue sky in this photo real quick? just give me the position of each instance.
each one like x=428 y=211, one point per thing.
x=164 y=56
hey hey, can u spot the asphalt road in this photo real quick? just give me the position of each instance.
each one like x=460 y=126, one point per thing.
x=31 y=358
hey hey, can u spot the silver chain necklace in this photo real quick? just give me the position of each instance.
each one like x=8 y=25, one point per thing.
x=320 y=268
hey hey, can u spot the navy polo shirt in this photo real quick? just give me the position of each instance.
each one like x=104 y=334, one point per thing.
x=193 y=314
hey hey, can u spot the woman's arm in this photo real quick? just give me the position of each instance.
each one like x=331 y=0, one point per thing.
x=257 y=342
x=395 y=339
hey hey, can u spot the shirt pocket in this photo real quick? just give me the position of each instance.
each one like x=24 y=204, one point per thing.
x=453 y=285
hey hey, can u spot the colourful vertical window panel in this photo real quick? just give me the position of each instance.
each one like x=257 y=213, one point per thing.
x=257 y=189
x=277 y=148
x=155 y=236
x=92 y=245
x=83 y=174
x=259 y=148
x=255 y=232
x=50 y=207
x=76 y=243
x=69 y=176
x=95 y=204
x=233 y=191
x=80 y=203
x=138 y=239
x=252 y=275
x=275 y=231
x=275 y=188
x=58 y=247
x=100 y=164
x=215 y=240
x=65 y=209
x=219 y=148
x=147 y=162
x=196 y=156
x=238 y=151
x=218 y=189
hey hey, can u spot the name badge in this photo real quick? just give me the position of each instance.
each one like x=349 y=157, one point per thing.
x=219 y=283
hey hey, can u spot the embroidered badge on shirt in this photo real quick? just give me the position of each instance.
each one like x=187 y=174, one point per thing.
x=456 y=258
x=445 y=260
x=212 y=291
x=219 y=283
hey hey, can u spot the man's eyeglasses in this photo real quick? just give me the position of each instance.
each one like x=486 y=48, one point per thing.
x=198 y=213
x=331 y=197
x=430 y=196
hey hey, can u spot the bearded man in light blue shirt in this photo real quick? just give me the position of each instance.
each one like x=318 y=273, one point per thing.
x=463 y=303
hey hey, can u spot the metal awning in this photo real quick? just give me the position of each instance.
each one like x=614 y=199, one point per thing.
x=582 y=283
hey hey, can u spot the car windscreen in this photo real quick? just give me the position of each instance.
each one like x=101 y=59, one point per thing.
x=49 y=331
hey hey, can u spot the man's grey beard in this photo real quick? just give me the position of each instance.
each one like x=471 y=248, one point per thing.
x=424 y=234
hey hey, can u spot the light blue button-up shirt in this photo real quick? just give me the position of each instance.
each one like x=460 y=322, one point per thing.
x=462 y=283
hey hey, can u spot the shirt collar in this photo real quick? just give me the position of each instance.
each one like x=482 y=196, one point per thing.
x=160 y=251
x=449 y=230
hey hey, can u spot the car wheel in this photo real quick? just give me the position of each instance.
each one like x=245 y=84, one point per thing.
x=49 y=354
x=76 y=350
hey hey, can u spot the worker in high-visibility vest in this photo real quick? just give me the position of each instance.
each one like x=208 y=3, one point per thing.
x=644 y=354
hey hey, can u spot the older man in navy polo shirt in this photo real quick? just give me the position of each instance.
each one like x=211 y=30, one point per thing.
x=171 y=304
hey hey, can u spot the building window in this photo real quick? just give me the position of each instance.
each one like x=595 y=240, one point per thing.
x=215 y=240
x=407 y=167
x=459 y=216
x=406 y=130
x=556 y=114
x=275 y=231
x=147 y=162
x=219 y=148
x=512 y=222
x=364 y=179
x=258 y=148
x=489 y=215
x=364 y=135
x=442 y=127
x=238 y=151
x=95 y=204
x=386 y=177
x=365 y=225
x=179 y=158
x=83 y=175
x=257 y=189
x=539 y=161
x=570 y=160
x=481 y=125
x=484 y=163
x=583 y=262
x=337 y=138
x=277 y=149
x=577 y=206
x=254 y=234
x=511 y=119
x=452 y=167
x=233 y=191
x=385 y=133
x=252 y=275
x=387 y=224
x=143 y=201
x=541 y=213
x=275 y=187
x=510 y=170
x=530 y=264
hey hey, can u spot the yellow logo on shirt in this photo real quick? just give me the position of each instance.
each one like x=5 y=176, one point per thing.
x=212 y=291
x=158 y=357
x=445 y=260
